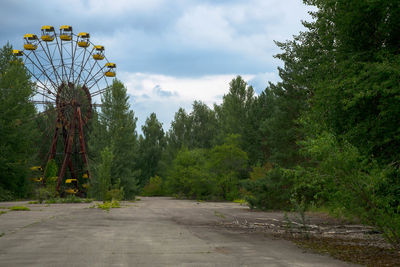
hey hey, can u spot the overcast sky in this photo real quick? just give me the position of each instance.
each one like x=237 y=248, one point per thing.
x=170 y=53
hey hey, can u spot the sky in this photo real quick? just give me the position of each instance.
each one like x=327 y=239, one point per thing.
x=170 y=52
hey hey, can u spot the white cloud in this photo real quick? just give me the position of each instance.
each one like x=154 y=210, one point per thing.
x=145 y=97
x=208 y=89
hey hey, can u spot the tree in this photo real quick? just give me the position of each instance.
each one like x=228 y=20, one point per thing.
x=103 y=177
x=116 y=128
x=18 y=131
x=203 y=126
x=233 y=113
x=151 y=147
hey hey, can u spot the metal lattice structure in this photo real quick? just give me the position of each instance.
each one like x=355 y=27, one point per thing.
x=68 y=72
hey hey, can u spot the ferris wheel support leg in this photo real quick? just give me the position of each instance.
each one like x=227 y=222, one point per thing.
x=71 y=135
x=54 y=141
x=70 y=166
x=82 y=141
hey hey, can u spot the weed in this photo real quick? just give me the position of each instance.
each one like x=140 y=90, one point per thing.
x=109 y=205
x=33 y=202
x=219 y=214
x=19 y=208
x=240 y=201
x=2 y=212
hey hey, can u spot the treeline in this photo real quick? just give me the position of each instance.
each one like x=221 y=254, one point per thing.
x=327 y=135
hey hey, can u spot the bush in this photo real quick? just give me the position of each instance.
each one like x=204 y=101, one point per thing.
x=189 y=177
x=114 y=194
x=6 y=195
x=19 y=208
x=358 y=186
x=154 y=187
x=273 y=191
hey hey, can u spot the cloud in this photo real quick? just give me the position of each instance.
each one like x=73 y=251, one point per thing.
x=144 y=90
x=170 y=53
x=163 y=93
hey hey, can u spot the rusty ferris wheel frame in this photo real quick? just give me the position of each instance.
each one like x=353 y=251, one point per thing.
x=67 y=74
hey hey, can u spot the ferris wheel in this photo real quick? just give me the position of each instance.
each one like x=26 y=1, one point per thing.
x=68 y=71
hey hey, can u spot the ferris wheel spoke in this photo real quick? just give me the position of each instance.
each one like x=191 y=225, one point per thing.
x=93 y=78
x=73 y=51
x=99 y=92
x=40 y=81
x=43 y=70
x=47 y=52
x=62 y=60
x=95 y=83
x=84 y=65
x=43 y=93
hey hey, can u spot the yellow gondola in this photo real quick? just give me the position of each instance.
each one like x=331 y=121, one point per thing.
x=30 y=41
x=71 y=191
x=110 y=69
x=38 y=179
x=68 y=181
x=99 y=54
x=83 y=39
x=48 y=33
x=36 y=168
x=66 y=33
x=17 y=53
x=85 y=175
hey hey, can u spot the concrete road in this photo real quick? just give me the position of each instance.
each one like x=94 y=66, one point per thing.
x=150 y=232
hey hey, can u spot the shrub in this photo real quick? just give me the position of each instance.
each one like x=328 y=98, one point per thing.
x=154 y=187
x=19 y=208
x=271 y=192
x=5 y=195
x=358 y=186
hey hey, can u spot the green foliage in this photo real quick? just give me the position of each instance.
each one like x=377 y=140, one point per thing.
x=362 y=187
x=115 y=127
x=188 y=177
x=154 y=187
x=208 y=174
x=116 y=193
x=271 y=192
x=106 y=206
x=102 y=179
x=50 y=180
x=19 y=208
x=18 y=131
x=227 y=162
x=6 y=195
x=151 y=147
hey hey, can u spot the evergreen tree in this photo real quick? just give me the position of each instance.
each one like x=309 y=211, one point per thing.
x=203 y=126
x=18 y=131
x=151 y=147
x=116 y=128
x=233 y=113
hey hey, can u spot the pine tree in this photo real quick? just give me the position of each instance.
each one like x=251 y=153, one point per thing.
x=151 y=147
x=116 y=128
x=18 y=131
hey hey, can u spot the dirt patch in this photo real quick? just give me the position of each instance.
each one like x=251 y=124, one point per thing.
x=323 y=234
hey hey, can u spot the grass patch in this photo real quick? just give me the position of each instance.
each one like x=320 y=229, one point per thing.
x=219 y=214
x=2 y=212
x=109 y=205
x=19 y=208
x=240 y=201
x=33 y=202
